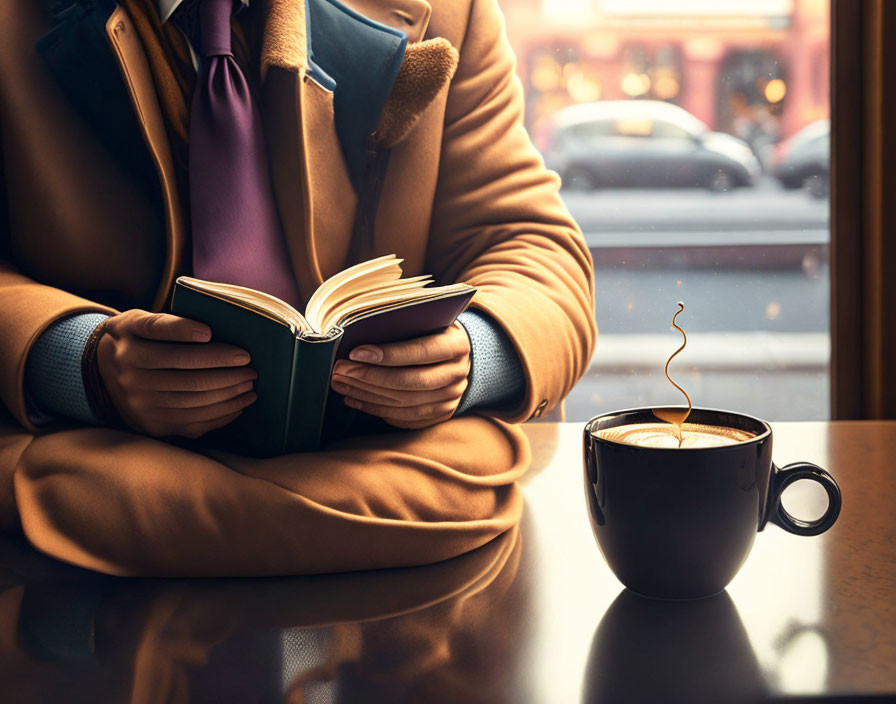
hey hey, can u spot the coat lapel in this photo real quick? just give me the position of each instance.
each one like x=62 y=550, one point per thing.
x=311 y=184
x=78 y=55
x=284 y=42
x=314 y=195
x=138 y=80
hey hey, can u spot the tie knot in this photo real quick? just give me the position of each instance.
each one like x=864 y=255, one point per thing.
x=214 y=26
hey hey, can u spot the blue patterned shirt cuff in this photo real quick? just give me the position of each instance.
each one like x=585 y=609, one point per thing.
x=496 y=373
x=54 y=386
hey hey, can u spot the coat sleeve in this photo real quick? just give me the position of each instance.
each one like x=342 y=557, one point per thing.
x=500 y=225
x=27 y=308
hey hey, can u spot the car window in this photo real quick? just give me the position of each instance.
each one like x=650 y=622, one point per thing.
x=635 y=126
x=669 y=130
x=590 y=131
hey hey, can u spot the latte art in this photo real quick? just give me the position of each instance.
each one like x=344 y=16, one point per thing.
x=664 y=435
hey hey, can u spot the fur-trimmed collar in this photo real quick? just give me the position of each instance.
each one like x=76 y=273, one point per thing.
x=284 y=40
x=427 y=66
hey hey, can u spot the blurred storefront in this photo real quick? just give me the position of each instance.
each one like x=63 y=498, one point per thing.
x=758 y=69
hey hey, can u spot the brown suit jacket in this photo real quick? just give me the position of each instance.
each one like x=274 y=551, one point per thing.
x=466 y=197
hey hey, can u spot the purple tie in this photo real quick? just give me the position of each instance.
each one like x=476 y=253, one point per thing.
x=237 y=238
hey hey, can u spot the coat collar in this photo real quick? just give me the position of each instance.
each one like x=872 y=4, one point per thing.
x=284 y=42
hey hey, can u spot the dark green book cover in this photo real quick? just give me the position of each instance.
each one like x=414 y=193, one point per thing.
x=296 y=409
x=287 y=366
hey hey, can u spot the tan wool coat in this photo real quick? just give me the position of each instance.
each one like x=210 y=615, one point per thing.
x=466 y=197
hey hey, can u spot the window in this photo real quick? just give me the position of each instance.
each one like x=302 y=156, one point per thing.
x=693 y=143
x=668 y=130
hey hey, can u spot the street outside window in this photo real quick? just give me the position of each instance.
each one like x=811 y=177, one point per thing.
x=693 y=142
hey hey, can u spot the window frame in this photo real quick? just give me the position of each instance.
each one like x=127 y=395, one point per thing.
x=847 y=209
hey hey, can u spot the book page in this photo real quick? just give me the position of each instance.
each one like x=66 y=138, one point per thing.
x=356 y=297
x=401 y=301
x=367 y=275
x=263 y=303
x=360 y=289
x=363 y=289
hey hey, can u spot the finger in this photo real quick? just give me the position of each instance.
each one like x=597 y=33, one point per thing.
x=182 y=417
x=190 y=399
x=449 y=344
x=163 y=355
x=411 y=378
x=197 y=430
x=190 y=380
x=391 y=397
x=172 y=328
x=414 y=413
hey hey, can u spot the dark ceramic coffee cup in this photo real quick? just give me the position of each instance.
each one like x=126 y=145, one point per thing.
x=678 y=523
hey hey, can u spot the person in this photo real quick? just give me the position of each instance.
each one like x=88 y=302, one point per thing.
x=269 y=143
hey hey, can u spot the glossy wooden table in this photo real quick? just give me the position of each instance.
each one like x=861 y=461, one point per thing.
x=536 y=616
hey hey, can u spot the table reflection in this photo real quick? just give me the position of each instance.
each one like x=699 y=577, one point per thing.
x=404 y=635
x=535 y=617
x=647 y=650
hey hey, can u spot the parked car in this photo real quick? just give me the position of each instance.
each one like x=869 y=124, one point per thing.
x=642 y=143
x=804 y=160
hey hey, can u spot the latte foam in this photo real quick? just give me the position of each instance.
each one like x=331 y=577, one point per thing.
x=663 y=435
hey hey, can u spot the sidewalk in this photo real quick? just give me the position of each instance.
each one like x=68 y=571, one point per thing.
x=776 y=376
x=734 y=351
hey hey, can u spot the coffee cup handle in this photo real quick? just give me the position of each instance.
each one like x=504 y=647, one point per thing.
x=785 y=476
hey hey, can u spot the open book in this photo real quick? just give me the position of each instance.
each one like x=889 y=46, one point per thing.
x=294 y=353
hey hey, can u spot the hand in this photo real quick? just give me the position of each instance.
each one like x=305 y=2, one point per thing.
x=165 y=377
x=412 y=384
